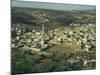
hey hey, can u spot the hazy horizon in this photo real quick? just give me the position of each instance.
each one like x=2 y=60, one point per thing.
x=55 y=6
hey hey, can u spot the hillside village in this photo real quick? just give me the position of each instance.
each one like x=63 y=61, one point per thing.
x=58 y=46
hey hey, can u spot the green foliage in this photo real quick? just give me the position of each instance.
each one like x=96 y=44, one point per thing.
x=62 y=66
x=24 y=62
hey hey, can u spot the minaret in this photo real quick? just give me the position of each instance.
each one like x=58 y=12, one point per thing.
x=43 y=21
x=42 y=40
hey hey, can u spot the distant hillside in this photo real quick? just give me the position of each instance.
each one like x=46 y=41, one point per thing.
x=56 y=18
